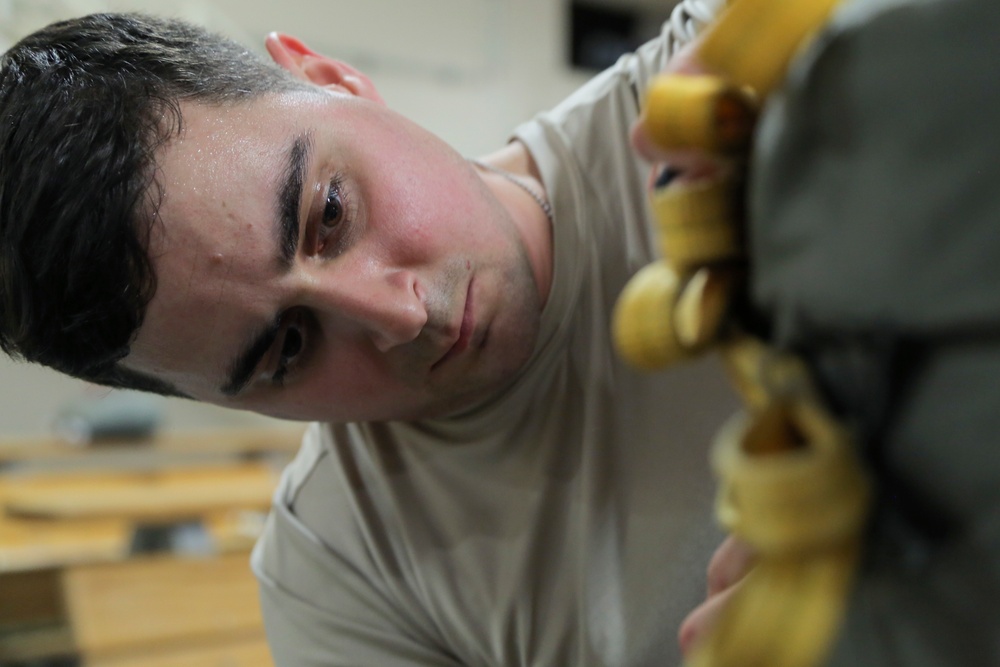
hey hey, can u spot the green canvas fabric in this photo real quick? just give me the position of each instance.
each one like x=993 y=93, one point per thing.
x=875 y=243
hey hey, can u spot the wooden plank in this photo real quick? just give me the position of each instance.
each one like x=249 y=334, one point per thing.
x=29 y=598
x=36 y=643
x=249 y=652
x=36 y=544
x=32 y=621
x=28 y=544
x=243 y=442
x=154 y=496
x=160 y=603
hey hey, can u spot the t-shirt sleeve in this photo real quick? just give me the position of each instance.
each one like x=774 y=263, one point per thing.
x=584 y=141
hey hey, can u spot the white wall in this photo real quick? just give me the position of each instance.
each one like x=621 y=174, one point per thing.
x=468 y=70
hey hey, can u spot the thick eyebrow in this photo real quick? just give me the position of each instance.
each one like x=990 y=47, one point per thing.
x=243 y=366
x=288 y=203
x=290 y=198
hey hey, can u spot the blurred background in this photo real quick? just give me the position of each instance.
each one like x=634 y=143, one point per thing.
x=468 y=70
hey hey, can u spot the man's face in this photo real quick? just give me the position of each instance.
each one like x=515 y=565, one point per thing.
x=319 y=257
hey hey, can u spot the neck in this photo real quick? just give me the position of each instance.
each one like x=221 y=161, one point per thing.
x=513 y=177
x=515 y=159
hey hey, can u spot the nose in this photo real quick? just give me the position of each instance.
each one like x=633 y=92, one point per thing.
x=384 y=303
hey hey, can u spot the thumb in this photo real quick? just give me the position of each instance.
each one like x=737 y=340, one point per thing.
x=700 y=622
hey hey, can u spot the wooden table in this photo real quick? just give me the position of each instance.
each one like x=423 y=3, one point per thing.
x=71 y=584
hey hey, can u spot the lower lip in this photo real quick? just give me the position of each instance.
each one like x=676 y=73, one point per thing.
x=464 y=334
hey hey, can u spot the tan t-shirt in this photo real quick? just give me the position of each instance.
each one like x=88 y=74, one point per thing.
x=566 y=522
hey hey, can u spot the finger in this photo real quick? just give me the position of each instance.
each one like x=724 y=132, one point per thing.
x=644 y=145
x=686 y=60
x=729 y=564
x=700 y=622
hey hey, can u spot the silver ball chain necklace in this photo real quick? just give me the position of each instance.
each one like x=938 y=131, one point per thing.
x=542 y=202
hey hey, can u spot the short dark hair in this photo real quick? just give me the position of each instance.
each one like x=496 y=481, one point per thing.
x=84 y=106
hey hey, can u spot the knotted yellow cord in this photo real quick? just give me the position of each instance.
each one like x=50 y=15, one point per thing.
x=790 y=483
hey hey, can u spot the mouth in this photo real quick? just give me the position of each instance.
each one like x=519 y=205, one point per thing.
x=465 y=331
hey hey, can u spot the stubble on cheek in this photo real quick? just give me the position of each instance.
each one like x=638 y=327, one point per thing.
x=516 y=326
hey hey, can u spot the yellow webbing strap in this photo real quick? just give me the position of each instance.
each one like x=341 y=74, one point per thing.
x=696 y=224
x=643 y=323
x=699 y=112
x=753 y=42
x=792 y=488
x=790 y=483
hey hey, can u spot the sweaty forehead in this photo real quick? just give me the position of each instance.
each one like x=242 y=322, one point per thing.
x=229 y=157
x=212 y=243
x=215 y=142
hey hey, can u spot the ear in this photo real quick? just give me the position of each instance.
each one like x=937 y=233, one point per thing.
x=305 y=64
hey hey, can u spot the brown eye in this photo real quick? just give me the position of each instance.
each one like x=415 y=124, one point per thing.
x=333 y=212
x=334 y=219
x=291 y=347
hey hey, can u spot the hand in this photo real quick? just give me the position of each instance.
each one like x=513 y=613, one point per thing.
x=730 y=563
x=692 y=165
